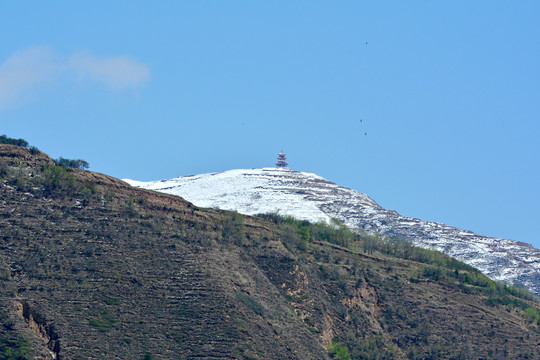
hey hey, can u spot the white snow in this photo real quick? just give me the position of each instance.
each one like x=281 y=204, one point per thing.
x=310 y=197
x=253 y=191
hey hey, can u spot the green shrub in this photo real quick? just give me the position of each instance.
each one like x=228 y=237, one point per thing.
x=303 y=232
x=56 y=179
x=430 y=272
x=232 y=226
x=533 y=315
x=338 y=350
x=14 y=349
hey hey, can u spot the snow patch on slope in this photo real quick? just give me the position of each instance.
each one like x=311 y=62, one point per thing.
x=307 y=196
x=250 y=192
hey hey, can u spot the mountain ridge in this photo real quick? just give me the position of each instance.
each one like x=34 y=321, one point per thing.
x=92 y=268
x=310 y=197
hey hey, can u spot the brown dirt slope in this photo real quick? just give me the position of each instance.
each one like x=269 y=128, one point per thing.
x=91 y=268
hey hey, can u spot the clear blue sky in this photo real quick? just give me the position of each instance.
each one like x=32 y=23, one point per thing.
x=448 y=94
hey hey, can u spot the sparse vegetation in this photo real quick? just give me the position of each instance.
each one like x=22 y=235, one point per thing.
x=438 y=266
x=77 y=164
x=232 y=225
x=70 y=163
x=14 y=349
x=148 y=273
x=19 y=142
x=251 y=303
x=338 y=350
x=111 y=301
x=533 y=313
x=104 y=322
x=56 y=180
x=11 y=141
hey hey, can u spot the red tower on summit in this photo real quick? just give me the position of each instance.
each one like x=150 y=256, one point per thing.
x=281 y=160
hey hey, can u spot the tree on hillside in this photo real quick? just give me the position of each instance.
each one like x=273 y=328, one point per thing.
x=11 y=141
x=78 y=164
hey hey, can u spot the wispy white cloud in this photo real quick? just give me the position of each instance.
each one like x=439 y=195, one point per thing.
x=115 y=72
x=28 y=69
x=24 y=70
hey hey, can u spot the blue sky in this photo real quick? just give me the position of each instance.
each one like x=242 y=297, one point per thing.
x=448 y=94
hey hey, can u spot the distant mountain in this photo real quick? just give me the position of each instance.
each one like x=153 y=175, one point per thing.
x=311 y=197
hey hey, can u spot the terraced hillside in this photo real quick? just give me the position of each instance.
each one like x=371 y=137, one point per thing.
x=91 y=268
x=310 y=197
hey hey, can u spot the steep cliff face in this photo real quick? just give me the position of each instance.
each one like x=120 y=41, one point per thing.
x=311 y=197
x=92 y=268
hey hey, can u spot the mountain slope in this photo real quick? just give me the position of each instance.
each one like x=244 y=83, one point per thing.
x=92 y=268
x=311 y=197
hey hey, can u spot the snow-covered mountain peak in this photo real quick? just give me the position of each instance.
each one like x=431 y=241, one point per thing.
x=308 y=196
x=252 y=191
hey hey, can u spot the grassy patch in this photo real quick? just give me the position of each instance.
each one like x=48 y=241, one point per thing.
x=251 y=303
x=104 y=323
x=14 y=349
x=338 y=350
x=111 y=301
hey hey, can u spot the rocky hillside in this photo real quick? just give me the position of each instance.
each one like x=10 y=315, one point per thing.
x=311 y=197
x=92 y=268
